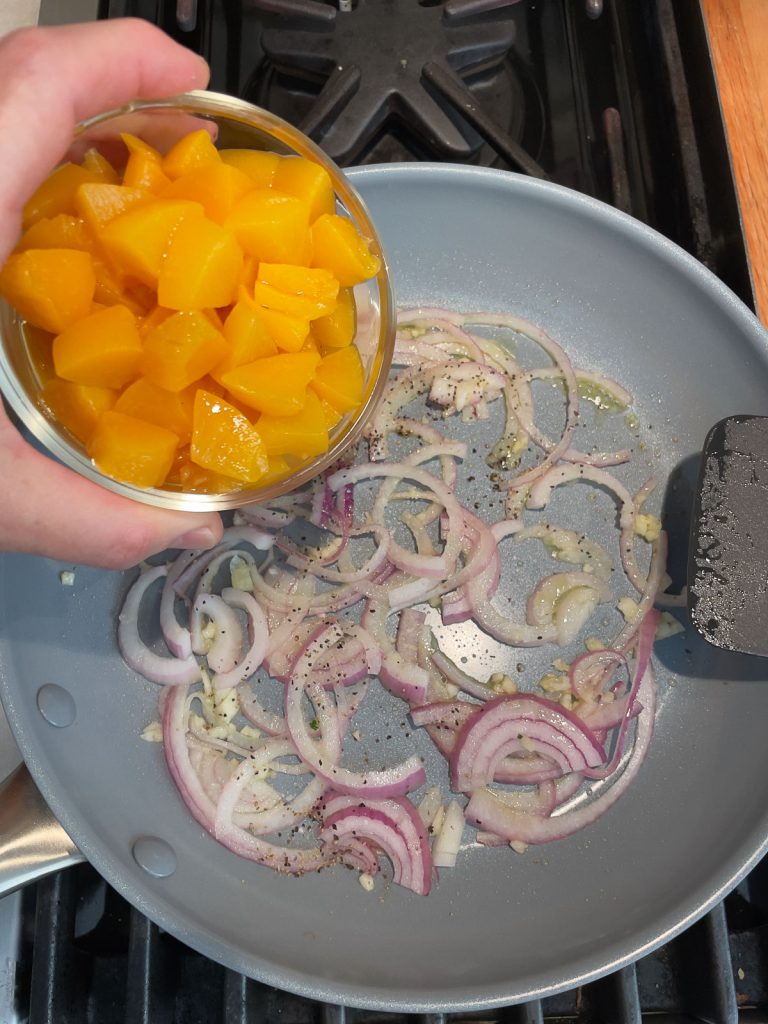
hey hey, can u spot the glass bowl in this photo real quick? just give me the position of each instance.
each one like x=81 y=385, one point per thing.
x=237 y=125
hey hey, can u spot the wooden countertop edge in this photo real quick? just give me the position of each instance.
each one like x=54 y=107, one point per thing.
x=738 y=38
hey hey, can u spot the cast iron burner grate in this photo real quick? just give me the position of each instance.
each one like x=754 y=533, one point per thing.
x=87 y=957
x=422 y=81
x=593 y=94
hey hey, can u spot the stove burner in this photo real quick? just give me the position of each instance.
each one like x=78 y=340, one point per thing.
x=400 y=67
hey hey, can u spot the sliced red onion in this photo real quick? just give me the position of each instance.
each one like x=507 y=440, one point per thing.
x=394 y=825
x=462 y=679
x=258 y=634
x=645 y=637
x=482 y=550
x=226 y=553
x=443 y=721
x=430 y=805
x=460 y=384
x=284 y=859
x=409 y=627
x=408 y=560
x=566 y=601
x=588 y=672
x=136 y=654
x=363 y=572
x=223 y=652
x=252 y=708
x=445 y=326
x=503 y=726
x=487 y=812
x=447 y=842
x=352 y=851
x=393 y=781
x=176 y=636
x=404 y=678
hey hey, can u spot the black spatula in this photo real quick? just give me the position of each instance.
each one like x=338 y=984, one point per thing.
x=728 y=556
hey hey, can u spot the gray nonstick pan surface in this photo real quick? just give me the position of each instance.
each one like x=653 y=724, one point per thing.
x=500 y=927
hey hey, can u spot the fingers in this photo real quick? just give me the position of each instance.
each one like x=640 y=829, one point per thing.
x=51 y=78
x=46 y=509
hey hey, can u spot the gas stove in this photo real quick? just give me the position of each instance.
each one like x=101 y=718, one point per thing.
x=614 y=98
x=592 y=94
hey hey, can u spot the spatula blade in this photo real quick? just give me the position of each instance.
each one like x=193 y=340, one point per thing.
x=728 y=555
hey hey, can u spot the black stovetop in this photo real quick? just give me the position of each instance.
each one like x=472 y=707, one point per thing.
x=619 y=103
x=621 y=106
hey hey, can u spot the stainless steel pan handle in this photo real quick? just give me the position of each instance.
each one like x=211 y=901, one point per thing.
x=32 y=842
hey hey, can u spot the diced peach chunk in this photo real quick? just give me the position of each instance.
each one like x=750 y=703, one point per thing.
x=279 y=468
x=276 y=385
x=188 y=476
x=138 y=240
x=100 y=202
x=337 y=329
x=247 y=336
x=225 y=441
x=181 y=350
x=102 y=349
x=271 y=226
x=191 y=151
x=152 y=318
x=338 y=246
x=144 y=168
x=170 y=409
x=136 y=145
x=306 y=180
x=202 y=267
x=165 y=301
x=100 y=167
x=260 y=166
x=51 y=288
x=112 y=287
x=64 y=231
x=132 y=450
x=303 y=292
x=216 y=186
x=288 y=332
x=302 y=435
x=339 y=379
x=77 y=406
x=330 y=415
x=145 y=171
x=57 y=193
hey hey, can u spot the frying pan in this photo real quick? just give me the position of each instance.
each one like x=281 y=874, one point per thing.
x=500 y=927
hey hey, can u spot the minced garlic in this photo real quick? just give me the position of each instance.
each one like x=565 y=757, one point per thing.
x=153 y=733
x=647 y=526
x=501 y=683
x=553 y=683
x=668 y=626
x=628 y=608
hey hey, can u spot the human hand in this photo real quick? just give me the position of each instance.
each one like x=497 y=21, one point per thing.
x=50 y=79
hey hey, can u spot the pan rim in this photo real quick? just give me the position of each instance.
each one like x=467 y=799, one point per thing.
x=675 y=921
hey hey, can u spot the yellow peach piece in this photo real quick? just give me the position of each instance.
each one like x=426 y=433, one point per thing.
x=132 y=450
x=181 y=349
x=225 y=441
x=102 y=349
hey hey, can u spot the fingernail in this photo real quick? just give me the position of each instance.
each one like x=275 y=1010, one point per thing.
x=200 y=538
